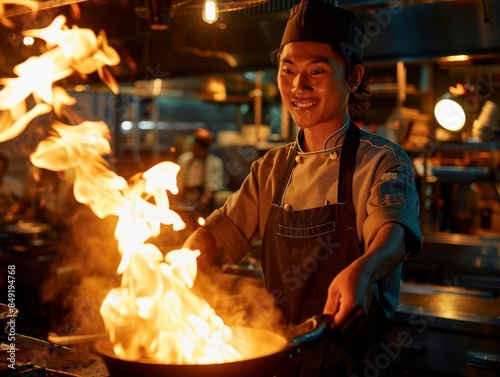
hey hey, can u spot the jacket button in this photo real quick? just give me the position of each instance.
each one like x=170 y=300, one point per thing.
x=334 y=155
x=288 y=207
x=298 y=159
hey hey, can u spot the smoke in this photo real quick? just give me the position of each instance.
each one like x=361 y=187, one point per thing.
x=88 y=249
x=84 y=274
x=239 y=301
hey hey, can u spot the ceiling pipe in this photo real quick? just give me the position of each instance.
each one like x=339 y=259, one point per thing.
x=158 y=14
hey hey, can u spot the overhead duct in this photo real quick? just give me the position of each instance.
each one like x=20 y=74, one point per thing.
x=191 y=47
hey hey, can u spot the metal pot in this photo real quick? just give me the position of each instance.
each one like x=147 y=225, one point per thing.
x=26 y=233
x=263 y=351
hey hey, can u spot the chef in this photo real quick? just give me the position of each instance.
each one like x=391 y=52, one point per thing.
x=202 y=173
x=337 y=209
x=48 y=197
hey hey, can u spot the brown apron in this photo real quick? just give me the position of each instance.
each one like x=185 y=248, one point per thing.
x=302 y=251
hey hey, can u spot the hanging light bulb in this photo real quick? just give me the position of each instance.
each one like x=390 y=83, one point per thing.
x=210 y=11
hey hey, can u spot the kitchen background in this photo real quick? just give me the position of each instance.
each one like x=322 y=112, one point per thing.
x=178 y=73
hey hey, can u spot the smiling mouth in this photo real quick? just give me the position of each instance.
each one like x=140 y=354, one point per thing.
x=303 y=104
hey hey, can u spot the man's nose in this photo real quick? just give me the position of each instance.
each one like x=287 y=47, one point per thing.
x=301 y=83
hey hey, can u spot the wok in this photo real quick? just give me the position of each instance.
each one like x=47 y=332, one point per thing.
x=263 y=351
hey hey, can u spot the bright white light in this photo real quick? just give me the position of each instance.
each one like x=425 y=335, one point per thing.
x=449 y=115
x=147 y=125
x=127 y=125
x=28 y=41
x=210 y=11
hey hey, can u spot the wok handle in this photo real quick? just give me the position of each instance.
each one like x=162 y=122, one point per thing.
x=311 y=330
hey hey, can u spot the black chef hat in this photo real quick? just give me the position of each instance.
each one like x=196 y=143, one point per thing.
x=317 y=21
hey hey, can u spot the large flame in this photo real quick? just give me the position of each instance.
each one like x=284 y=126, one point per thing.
x=67 y=51
x=32 y=4
x=154 y=314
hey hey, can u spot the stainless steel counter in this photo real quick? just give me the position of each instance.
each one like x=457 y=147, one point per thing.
x=457 y=260
x=446 y=330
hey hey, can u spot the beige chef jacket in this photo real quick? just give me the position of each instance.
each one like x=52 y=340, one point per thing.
x=384 y=191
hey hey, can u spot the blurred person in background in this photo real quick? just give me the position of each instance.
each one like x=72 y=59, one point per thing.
x=337 y=209
x=47 y=196
x=201 y=175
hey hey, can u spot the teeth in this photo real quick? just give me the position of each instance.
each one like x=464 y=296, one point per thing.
x=307 y=104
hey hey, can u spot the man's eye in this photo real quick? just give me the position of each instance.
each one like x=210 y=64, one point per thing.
x=317 y=72
x=287 y=71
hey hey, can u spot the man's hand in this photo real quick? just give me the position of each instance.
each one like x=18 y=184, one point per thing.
x=350 y=292
x=349 y=297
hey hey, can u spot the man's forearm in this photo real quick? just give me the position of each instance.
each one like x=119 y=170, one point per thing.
x=385 y=253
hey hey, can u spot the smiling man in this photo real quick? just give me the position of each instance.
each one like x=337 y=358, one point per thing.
x=337 y=209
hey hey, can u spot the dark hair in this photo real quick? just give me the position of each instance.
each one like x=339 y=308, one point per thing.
x=359 y=101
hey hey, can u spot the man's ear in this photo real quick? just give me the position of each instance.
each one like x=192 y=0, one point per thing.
x=356 y=76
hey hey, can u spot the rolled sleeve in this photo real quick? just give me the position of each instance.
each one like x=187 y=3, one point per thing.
x=234 y=243
x=241 y=220
x=395 y=199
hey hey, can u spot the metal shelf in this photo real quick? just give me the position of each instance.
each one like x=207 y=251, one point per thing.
x=480 y=169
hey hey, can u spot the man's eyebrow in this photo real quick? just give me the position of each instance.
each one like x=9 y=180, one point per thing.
x=315 y=61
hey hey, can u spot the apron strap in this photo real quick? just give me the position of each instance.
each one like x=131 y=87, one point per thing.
x=347 y=163
x=346 y=172
x=278 y=194
x=289 y=165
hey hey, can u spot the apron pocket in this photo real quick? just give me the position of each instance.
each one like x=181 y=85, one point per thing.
x=306 y=232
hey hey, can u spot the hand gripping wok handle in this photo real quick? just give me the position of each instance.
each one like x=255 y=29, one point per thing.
x=312 y=330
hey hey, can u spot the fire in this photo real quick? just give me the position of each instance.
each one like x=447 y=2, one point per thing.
x=32 y=4
x=68 y=51
x=154 y=314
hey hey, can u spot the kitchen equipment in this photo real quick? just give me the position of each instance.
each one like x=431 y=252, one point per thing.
x=36 y=357
x=27 y=233
x=446 y=331
x=262 y=352
x=65 y=340
x=27 y=227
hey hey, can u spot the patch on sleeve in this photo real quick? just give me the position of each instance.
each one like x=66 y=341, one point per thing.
x=393 y=189
x=389 y=176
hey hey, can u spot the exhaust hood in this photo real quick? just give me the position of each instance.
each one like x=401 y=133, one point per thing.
x=242 y=40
